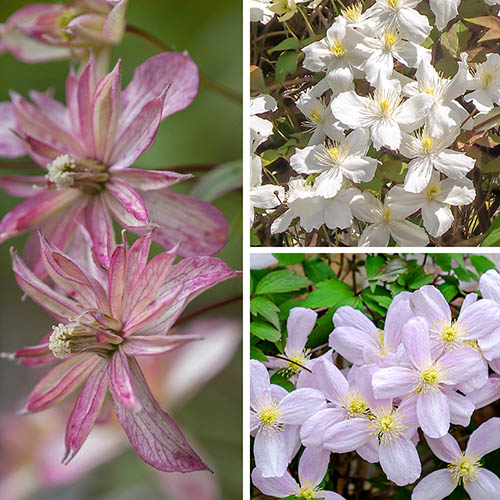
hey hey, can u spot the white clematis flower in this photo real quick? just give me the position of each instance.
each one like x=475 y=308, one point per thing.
x=428 y=151
x=434 y=201
x=313 y=210
x=260 y=129
x=445 y=112
x=337 y=161
x=387 y=46
x=337 y=54
x=384 y=112
x=260 y=12
x=445 y=11
x=486 y=84
x=320 y=120
x=401 y=15
x=286 y=9
x=386 y=220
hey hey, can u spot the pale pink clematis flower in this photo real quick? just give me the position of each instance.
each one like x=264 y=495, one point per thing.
x=105 y=320
x=275 y=418
x=87 y=149
x=313 y=465
x=44 y=32
x=464 y=467
x=428 y=380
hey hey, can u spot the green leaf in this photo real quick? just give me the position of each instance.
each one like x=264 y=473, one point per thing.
x=289 y=259
x=317 y=269
x=443 y=260
x=481 y=263
x=492 y=236
x=279 y=379
x=281 y=281
x=456 y=38
x=328 y=293
x=267 y=309
x=256 y=353
x=286 y=65
x=287 y=44
x=373 y=265
x=219 y=181
x=449 y=291
x=264 y=331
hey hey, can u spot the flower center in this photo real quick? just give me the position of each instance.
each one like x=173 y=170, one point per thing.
x=354 y=404
x=384 y=106
x=427 y=143
x=430 y=377
x=386 y=213
x=87 y=175
x=334 y=154
x=450 y=334
x=387 y=424
x=393 y=4
x=296 y=361
x=306 y=492
x=269 y=415
x=390 y=39
x=432 y=192
x=465 y=469
x=353 y=12
x=429 y=90
x=316 y=116
x=487 y=78
x=338 y=49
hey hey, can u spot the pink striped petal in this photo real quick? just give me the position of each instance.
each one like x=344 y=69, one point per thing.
x=116 y=281
x=153 y=433
x=61 y=381
x=124 y=216
x=100 y=227
x=148 y=180
x=41 y=152
x=55 y=110
x=114 y=25
x=137 y=345
x=32 y=211
x=128 y=197
x=85 y=91
x=105 y=112
x=137 y=258
x=199 y=227
x=86 y=410
x=55 y=304
x=120 y=381
x=10 y=145
x=22 y=186
x=37 y=354
x=170 y=69
x=138 y=136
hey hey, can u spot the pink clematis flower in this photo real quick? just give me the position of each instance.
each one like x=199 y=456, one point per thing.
x=463 y=467
x=87 y=149
x=275 y=418
x=105 y=320
x=312 y=469
x=44 y=32
x=428 y=380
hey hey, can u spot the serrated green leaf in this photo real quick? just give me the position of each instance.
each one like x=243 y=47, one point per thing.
x=267 y=309
x=289 y=259
x=481 y=264
x=264 y=331
x=287 y=44
x=328 y=293
x=317 y=270
x=281 y=281
x=373 y=265
x=256 y=353
x=449 y=291
x=279 y=379
x=443 y=260
x=286 y=65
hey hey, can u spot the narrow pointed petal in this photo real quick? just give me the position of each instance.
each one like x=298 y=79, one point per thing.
x=137 y=258
x=86 y=410
x=10 y=145
x=153 y=433
x=100 y=227
x=125 y=214
x=84 y=93
x=115 y=23
x=116 y=281
x=129 y=198
x=199 y=227
x=61 y=381
x=138 y=345
x=35 y=355
x=121 y=383
x=22 y=186
x=148 y=180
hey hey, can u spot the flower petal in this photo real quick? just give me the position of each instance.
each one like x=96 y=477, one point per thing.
x=485 y=487
x=486 y=438
x=120 y=381
x=436 y=486
x=346 y=436
x=313 y=465
x=433 y=413
x=299 y=325
x=400 y=461
x=281 y=486
x=137 y=345
x=147 y=180
x=300 y=404
x=445 y=448
x=100 y=227
x=312 y=430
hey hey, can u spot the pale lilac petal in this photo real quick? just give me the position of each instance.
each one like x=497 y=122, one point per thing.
x=299 y=325
x=485 y=487
x=347 y=316
x=398 y=314
x=487 y=394
x=329 y=380
x=271 y=454
x=312 y=430
x=489 y=284
x=400 y=461
x=86 y=410
x=430 y=303
x=153 y=433
x=199 y=227
x=446 y=448
x=351 y=343
x=461 y=408
x=416 y=341
x=259 y=383
x=137 y=345
x=480 y=318
x=147 y=180
x=486 y=438
x=393 y=382
x=120 y=381
x=463 y=365
x=313 y=465
x=370 y=450
x=436 y=486
x=347 y=435
x=300 y=404
x=281 y=486
x=171 y=70
x=433 y=413
x=329 y=495
x=61 y=381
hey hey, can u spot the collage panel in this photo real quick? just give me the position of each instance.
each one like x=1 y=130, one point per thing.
x=374 y=123
x=121 y=250
x=374 y=376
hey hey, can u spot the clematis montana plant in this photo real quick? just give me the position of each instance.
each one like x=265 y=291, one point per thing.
x=105 y=319
x=87 y=148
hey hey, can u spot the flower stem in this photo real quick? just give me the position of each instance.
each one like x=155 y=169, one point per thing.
x=204 y=79
x=209 y=307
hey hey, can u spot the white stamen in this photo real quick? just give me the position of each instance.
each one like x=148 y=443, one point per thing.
x=59 y=341
x=61 y=171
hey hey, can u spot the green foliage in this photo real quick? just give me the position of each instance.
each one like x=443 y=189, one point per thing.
x=281 y=281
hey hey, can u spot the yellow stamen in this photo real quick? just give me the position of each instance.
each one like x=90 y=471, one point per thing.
x=316 y=116
x=486 y=78
x=338 y=49
x=306 y=493
x=353 y=12
x=427 y=143
x=465 y=469
x=390 y=39
x=386 y=213
x=432 y=191
x=394 y=4
x=384 y=106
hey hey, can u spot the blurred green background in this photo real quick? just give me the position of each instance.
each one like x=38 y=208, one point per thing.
x=209 y=131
